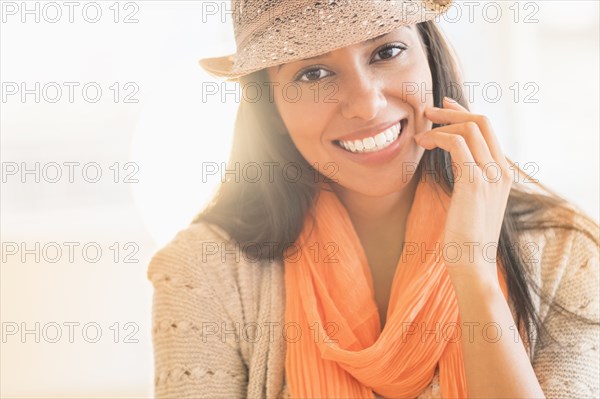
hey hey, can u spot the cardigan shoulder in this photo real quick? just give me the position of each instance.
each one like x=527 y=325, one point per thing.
x=556 y=257
x=213 y=313
x=564 y=263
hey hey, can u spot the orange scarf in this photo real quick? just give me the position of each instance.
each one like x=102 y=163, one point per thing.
x=335 y=346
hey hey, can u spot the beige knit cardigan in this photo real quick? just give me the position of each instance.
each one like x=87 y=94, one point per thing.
x=218 y=317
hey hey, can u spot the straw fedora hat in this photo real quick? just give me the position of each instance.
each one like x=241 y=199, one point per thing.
x=273 y=32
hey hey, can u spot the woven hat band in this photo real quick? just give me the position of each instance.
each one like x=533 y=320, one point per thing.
x=251 y=17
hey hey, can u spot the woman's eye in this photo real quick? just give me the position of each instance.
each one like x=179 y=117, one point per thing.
x=389 y=51
x=313 y=75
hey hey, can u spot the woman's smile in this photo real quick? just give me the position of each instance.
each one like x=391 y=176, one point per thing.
x=379 y=148
x=370 y=141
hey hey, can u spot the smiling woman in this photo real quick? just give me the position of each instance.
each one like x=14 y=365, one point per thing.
x=404 y=257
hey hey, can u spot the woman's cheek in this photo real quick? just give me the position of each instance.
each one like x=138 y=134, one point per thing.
x=307 y=144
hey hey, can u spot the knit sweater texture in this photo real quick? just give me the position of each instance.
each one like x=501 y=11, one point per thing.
x=218 y=316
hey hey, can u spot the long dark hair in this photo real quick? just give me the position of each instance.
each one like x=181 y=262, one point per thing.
x=261 y=212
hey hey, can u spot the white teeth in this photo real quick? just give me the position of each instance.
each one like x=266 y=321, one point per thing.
x=380 y=139
x=369 y=143
x=376 y=143
x=388 y=135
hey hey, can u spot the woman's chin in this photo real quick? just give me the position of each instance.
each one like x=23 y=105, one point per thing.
x=370 y=188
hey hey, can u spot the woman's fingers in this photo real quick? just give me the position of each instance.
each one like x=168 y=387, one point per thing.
x=472 y=135
x=456 y=113
x=454 y=143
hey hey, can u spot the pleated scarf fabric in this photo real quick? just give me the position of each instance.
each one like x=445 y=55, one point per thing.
x=335 y=345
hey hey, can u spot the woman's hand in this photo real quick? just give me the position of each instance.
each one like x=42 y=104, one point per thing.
x=482 y=183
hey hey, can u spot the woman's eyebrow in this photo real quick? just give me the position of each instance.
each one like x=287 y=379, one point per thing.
x=328 y=54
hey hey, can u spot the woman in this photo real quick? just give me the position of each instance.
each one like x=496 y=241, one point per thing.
x=388 y=248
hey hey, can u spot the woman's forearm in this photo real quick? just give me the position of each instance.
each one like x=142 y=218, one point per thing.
x=496 y=362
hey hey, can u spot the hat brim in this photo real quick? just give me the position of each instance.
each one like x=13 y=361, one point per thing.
x=220 y=67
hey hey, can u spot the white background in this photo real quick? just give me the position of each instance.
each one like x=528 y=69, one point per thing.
x=170 y=131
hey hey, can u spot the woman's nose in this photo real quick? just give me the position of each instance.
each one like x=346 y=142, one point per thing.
x=362 y=96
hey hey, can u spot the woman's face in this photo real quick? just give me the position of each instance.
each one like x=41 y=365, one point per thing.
x=358 y=96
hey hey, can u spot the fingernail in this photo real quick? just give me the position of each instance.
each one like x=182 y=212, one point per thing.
x=450 y=100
